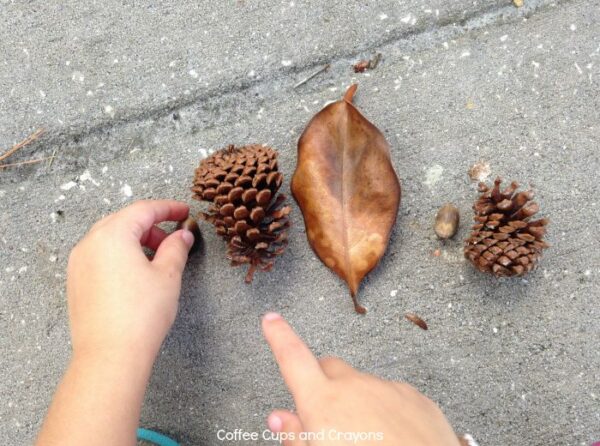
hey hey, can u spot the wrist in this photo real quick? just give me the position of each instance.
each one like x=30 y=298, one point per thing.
x=118 y=358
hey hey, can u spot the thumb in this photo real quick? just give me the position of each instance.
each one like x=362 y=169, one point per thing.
x=172 y=253
x=288 y=427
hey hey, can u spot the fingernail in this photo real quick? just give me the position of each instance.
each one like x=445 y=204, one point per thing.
x=271 y=316
x=187 y=237
x=275 y=423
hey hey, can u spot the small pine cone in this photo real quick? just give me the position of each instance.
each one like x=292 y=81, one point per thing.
x=241 y=183
x=505 y=241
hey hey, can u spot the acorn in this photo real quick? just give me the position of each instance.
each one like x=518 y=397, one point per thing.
x=447 y=221
x=192 y=225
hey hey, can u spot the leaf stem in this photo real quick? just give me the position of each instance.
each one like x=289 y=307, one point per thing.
x=350 y=93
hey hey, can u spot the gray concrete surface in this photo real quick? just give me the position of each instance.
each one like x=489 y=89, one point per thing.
x=150 y=88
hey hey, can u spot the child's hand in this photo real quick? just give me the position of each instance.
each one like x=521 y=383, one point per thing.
x=122 y=304
x=332 y=397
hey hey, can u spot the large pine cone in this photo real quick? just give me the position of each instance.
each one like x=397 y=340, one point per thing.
x=241 y=183
x=505 y=242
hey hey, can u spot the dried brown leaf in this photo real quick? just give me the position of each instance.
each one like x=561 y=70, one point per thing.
x=412 y=317
x=347 y=189
x=479 y=171
x=361 y=66
x=367 y=64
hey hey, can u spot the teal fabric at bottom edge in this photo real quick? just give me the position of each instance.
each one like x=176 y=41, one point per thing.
x=155 y=437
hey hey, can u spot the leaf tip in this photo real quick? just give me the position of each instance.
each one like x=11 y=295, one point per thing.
x=350 y=93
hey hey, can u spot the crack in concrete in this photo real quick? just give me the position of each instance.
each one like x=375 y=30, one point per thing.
x=420 y=38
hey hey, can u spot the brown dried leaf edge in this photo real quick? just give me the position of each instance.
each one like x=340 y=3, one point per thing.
x=347 y=189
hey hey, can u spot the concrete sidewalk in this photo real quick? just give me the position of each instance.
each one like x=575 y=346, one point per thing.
x=151 y=88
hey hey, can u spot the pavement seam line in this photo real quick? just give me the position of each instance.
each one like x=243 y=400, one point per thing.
x=449 y=27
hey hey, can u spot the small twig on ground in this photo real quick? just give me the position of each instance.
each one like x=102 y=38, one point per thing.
x=22 y=163
x=52 y=159
x=31 y=138
x=316 y=73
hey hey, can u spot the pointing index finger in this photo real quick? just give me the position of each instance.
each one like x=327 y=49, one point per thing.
x=299 y=367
